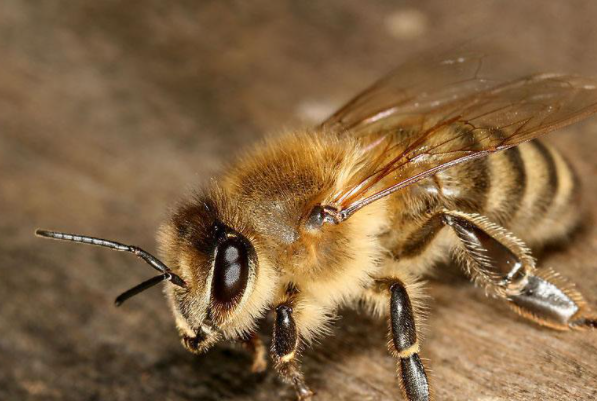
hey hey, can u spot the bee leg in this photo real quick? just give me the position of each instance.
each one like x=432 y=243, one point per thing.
x=255 y=345
x=405 y=346
x=285 y=345
x=503 y=264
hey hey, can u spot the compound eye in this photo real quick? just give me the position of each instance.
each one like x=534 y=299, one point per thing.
x=231 y=270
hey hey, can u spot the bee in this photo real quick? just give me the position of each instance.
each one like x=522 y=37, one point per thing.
x=430 y=163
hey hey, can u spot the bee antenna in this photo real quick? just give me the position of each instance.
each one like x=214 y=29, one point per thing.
x=146 y=256
x=139 y=288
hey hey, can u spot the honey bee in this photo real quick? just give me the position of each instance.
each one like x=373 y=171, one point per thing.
x=421 y=167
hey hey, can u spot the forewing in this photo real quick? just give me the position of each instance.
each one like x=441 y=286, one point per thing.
x=411 y=130
x=418 y=86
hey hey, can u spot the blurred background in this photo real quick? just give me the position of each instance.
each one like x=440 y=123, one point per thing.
x=111 y=111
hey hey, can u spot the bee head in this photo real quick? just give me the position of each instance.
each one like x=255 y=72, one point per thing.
x=216 y=254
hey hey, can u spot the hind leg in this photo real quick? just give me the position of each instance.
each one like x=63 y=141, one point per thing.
x=501 y=263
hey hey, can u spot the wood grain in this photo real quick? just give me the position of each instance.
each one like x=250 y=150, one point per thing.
x=111 y=111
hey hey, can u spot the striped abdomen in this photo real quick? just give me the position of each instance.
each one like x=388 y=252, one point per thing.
x=533 y=192
x=530 y=189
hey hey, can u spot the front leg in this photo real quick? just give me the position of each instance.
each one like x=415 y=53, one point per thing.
x=255 y=346
x=285 y=345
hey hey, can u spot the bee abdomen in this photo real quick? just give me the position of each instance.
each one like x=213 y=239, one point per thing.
x=530 y=189
x=534 y=193
x=550 y=205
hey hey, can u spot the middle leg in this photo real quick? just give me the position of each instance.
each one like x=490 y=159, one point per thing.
x=391 y=295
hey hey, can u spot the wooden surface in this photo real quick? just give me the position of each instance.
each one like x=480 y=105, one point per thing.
x=111 y=111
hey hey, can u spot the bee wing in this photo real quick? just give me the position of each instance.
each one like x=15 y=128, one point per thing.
x=444 y=113
x=417 y=87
